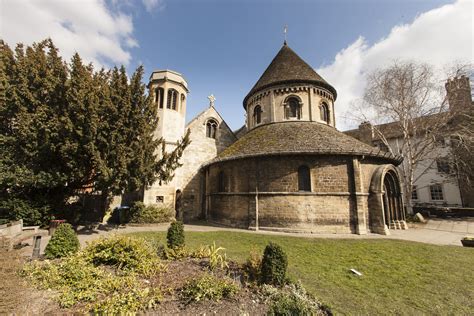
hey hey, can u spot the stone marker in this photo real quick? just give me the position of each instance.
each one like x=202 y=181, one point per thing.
x=420 y=218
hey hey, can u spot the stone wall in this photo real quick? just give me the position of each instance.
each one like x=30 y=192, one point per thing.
x=271 y=102
x=262 y=193
x=269 y=186
x=200 y=150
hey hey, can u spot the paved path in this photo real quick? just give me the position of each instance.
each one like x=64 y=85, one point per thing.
x=438 y=231
x=435 y=231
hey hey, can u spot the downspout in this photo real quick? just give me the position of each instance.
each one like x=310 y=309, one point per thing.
x=256 y=196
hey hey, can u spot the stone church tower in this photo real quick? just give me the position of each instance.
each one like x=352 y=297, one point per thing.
x=169 y=91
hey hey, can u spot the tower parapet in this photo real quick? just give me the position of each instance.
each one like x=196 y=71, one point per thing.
x=458 y=91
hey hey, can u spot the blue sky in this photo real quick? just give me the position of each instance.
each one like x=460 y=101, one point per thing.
x=222 y=47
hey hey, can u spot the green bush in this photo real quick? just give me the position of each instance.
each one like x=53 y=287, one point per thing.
x=125 y=253
x=64 y=242
x=32 y=213
x=274 y=264
x=174 y=253
x=141 y=214
x=175 y=235
x=294 y=300
x=252 y=267
x=216 y=258
x=77 y=281
x=208 y=287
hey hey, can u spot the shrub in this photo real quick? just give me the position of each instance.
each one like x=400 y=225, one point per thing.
x=216 y=258
x=127 y=303
x=125 y=253
x=252 y=267
x=293 y=300
x=32 y=213
x=175 y=235
x=207 y=287
x=64 y=242
x=76 y=281
x=274 y=264
x=174 y=253
x=141 y=214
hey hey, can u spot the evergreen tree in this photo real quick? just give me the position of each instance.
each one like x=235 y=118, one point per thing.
x=65 y=129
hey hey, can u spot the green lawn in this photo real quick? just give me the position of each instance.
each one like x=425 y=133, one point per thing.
x=399 y=277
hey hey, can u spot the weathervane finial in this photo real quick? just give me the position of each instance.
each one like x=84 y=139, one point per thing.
x=285 y=30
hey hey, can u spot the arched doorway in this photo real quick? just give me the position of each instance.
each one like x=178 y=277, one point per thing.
x=386 y=210
x=392 y=200
x=178 y=205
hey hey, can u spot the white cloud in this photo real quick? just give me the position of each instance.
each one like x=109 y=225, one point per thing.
x=99 y=34
x=439 y=37
x=151 y=5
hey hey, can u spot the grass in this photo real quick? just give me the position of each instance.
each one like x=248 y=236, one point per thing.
x=399 y=277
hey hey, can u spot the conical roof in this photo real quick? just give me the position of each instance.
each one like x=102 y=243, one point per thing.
x=288 y=67
x=299 y=138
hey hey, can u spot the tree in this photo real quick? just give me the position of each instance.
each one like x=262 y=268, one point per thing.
x=408 y=99
x=69 y=129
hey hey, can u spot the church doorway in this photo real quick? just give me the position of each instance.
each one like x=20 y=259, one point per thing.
x=178 y=205
x=386 y=209
x=392 y=201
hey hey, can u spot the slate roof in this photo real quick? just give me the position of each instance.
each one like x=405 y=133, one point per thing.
x=288 y=67
x=393 y=130
x=299 y=137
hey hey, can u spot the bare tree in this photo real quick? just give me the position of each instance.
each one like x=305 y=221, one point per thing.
x=407 y=109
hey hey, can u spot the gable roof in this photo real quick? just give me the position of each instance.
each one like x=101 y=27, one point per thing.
x=297 y=138
x=288 y=67
x=207 y=110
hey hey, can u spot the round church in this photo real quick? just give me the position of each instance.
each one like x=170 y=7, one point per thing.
x=292 y=170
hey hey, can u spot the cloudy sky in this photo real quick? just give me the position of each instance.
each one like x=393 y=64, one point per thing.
x=223 y=46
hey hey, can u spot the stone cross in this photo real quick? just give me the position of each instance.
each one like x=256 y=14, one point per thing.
x=212 y=99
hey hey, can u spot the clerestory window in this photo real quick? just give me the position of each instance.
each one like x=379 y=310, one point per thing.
x=325 y=113
x=257 y=115
x=292 y=108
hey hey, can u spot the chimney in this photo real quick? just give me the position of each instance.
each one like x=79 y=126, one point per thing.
x=366 y=132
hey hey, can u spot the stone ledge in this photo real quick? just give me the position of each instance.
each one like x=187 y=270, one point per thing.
x=292 y=193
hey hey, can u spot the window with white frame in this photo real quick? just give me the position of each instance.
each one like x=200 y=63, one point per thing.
x=436 y=192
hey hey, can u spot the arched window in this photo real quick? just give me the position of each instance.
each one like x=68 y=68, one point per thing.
x=292 y=108
x=257 y=115
x=325 y=113
x=159 y=96
x=304 y=179
x=221 y=182
x=172 y=99
x=183 y=98
x=211 y=128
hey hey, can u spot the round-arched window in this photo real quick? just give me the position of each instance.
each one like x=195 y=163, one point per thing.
x=172 y=99
x=325 y=112
x=257 y=115
x=211 y=128
x=304 y=179
x=292 y=108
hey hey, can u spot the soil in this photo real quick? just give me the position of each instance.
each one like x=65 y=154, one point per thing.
x=246 y=302
x=16 y=297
